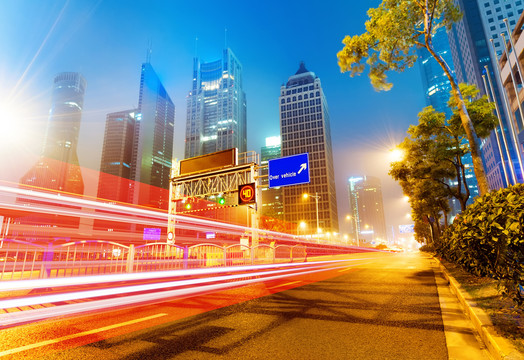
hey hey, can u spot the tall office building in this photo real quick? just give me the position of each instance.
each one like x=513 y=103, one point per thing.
x=470 y=46
x=117 y=156
x=368 y=224
x=153 y=141
x=272 y=205
x=216 y=107
x=305 y=128
x=58 y=168
x=138 y=147
x=437 y=89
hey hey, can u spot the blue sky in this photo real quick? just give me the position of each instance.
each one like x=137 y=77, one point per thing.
x=107 y=40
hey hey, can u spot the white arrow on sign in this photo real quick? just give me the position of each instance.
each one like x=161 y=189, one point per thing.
x=302 y=167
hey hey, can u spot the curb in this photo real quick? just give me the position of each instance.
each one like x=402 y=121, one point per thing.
x=497 y=346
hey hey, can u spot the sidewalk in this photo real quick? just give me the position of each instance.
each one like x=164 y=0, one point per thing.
x=497 y=346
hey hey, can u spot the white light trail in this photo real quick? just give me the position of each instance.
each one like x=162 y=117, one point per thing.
x=16 y=285
x=45 y=299
x=69 y=309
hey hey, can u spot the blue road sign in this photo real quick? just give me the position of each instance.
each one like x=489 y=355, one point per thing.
x=289 y=170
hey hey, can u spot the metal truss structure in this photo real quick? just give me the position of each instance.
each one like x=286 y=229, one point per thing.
x=223 y=181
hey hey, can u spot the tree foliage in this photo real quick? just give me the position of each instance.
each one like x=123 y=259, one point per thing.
x=393 y=32
x=432 y=170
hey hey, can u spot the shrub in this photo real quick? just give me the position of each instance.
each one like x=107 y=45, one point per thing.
x=427 y=248
x=488 y=239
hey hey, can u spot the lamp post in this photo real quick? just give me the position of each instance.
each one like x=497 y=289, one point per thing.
x=316 y=197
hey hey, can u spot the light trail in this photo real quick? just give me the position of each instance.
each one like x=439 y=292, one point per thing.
x=16 y=285
x=128 y=211
x=104 y=304
x=45 y=299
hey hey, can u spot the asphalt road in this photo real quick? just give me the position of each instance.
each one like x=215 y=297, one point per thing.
x=384 y=308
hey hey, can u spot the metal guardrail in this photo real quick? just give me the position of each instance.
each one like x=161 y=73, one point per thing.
x=21 y=260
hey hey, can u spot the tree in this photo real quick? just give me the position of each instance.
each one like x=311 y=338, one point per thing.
x=433 y=160
x=393 y=32
x=428 y=197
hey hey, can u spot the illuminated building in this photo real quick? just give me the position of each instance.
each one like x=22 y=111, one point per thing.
x=117 y=156
x=153 y=142
x=58 y=168
x=271 y=197
x=471 y=50
x=437 y=88
x=138 y=147
x=515 y=98
x=368 y=223
x=305 y=128
x=216 y=107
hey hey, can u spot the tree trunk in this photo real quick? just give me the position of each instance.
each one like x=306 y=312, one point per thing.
x=478 y=166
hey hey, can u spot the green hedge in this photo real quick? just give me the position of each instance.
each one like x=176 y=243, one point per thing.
x=488 y=239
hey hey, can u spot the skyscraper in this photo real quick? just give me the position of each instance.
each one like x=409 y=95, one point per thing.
x=58 y=168
x=117 y=156
x=305 y=128
x=216 y=107
x=470 y=47
x=153 y=141
x=271 y=197
x=138 y=147
x=368 y=223
x=437 y=88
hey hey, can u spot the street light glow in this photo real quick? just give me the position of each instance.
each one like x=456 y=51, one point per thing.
x=396 y=155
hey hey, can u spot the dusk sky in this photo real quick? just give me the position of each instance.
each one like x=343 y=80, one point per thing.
x=106 y=41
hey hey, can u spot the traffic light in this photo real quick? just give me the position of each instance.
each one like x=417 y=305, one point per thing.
x=188 y=206
x=221 y=200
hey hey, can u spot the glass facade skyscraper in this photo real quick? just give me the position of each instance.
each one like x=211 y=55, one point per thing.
x=305 y=128
x=470 y=46
x=216 y=107
x=117 y=156
x=58 y=168
x=437 y=89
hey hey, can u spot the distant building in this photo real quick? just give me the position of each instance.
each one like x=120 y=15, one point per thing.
x=138 y=147
x=305 y=128
x=58 y=168
x=216 y=107
x=272 y=205
x=368 y=223
x=117 y=156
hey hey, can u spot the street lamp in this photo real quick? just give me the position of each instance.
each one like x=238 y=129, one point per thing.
x=302 y=226
x=316 y=197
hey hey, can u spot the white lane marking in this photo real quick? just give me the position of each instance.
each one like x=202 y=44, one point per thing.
x=349 y=268
x=289 y=283
x=73 y=336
